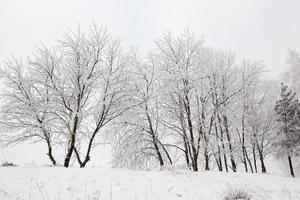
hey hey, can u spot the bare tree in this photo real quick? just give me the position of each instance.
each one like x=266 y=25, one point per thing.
x=112 y=95
x=222 y=76
x=261 y=122
x=85 y=79
x=25 y=112
x=254 y=116
x=141 y=124
x=180 y=62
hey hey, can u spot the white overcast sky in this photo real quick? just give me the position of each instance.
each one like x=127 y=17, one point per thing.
x=254 y=29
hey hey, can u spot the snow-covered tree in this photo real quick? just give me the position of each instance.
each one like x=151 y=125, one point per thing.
x=179 y=60
x=259 y=121
x=288 y=115
x=26 y=108
x=292 y=73
x=87 y=79
x=138 y=143
x=186 y=103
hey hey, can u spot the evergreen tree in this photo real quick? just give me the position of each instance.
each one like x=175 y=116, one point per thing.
x=288 y=112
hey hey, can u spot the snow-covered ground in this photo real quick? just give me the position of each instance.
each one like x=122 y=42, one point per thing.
x=118 y=184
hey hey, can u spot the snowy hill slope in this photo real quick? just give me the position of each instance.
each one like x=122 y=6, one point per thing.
x=117 y=184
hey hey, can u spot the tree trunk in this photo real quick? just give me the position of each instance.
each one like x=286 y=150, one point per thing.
x=184 y=138
x=218 y=156
x=187 y=158
x=261 y=158
x=51 y=157
x=220 y=159
x=249 y=161
x=243 y=138
x=291 y=166
x=154 y=138
x=70 y=151
x=72 y=143
x=161 y=162
x=166 y=152
x=242 y=142
x=262 y=163
x=194 y=153
x=244 y=159
x=87 y=156
x=224 y=152
x=254 y=158
x=225 y=161
x=263 y=167
x=206 y=161
x=233 y=164
x=223 y=145
x=48 y=141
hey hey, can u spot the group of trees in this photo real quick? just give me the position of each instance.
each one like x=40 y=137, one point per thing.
x=65 y=95
x=185 y=104
x=201 y=108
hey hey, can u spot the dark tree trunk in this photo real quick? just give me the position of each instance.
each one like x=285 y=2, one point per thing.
x=185 y=142
x=187 y=158
x=193 y=153
x=261 y=158
x=244 y=159
x=220 y=160
x=218 y=156
x=225 y=162
x=72 y=143
x=262 y=163
x=245 y=156
x=47 y=137
x=50 y=155
x=249 y=161
x=291 y=166
x=263 y=167
x=254 y=158
x=160 y=159
x=242 y=142
x=87 y=156
x=154 y=139
x=233 y=164
x=206 y=161
x=166 y=152
x=223 y=145
x=70 y=151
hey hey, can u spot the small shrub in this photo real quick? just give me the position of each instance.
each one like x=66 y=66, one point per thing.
x=237 y=194
x=8 y=164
